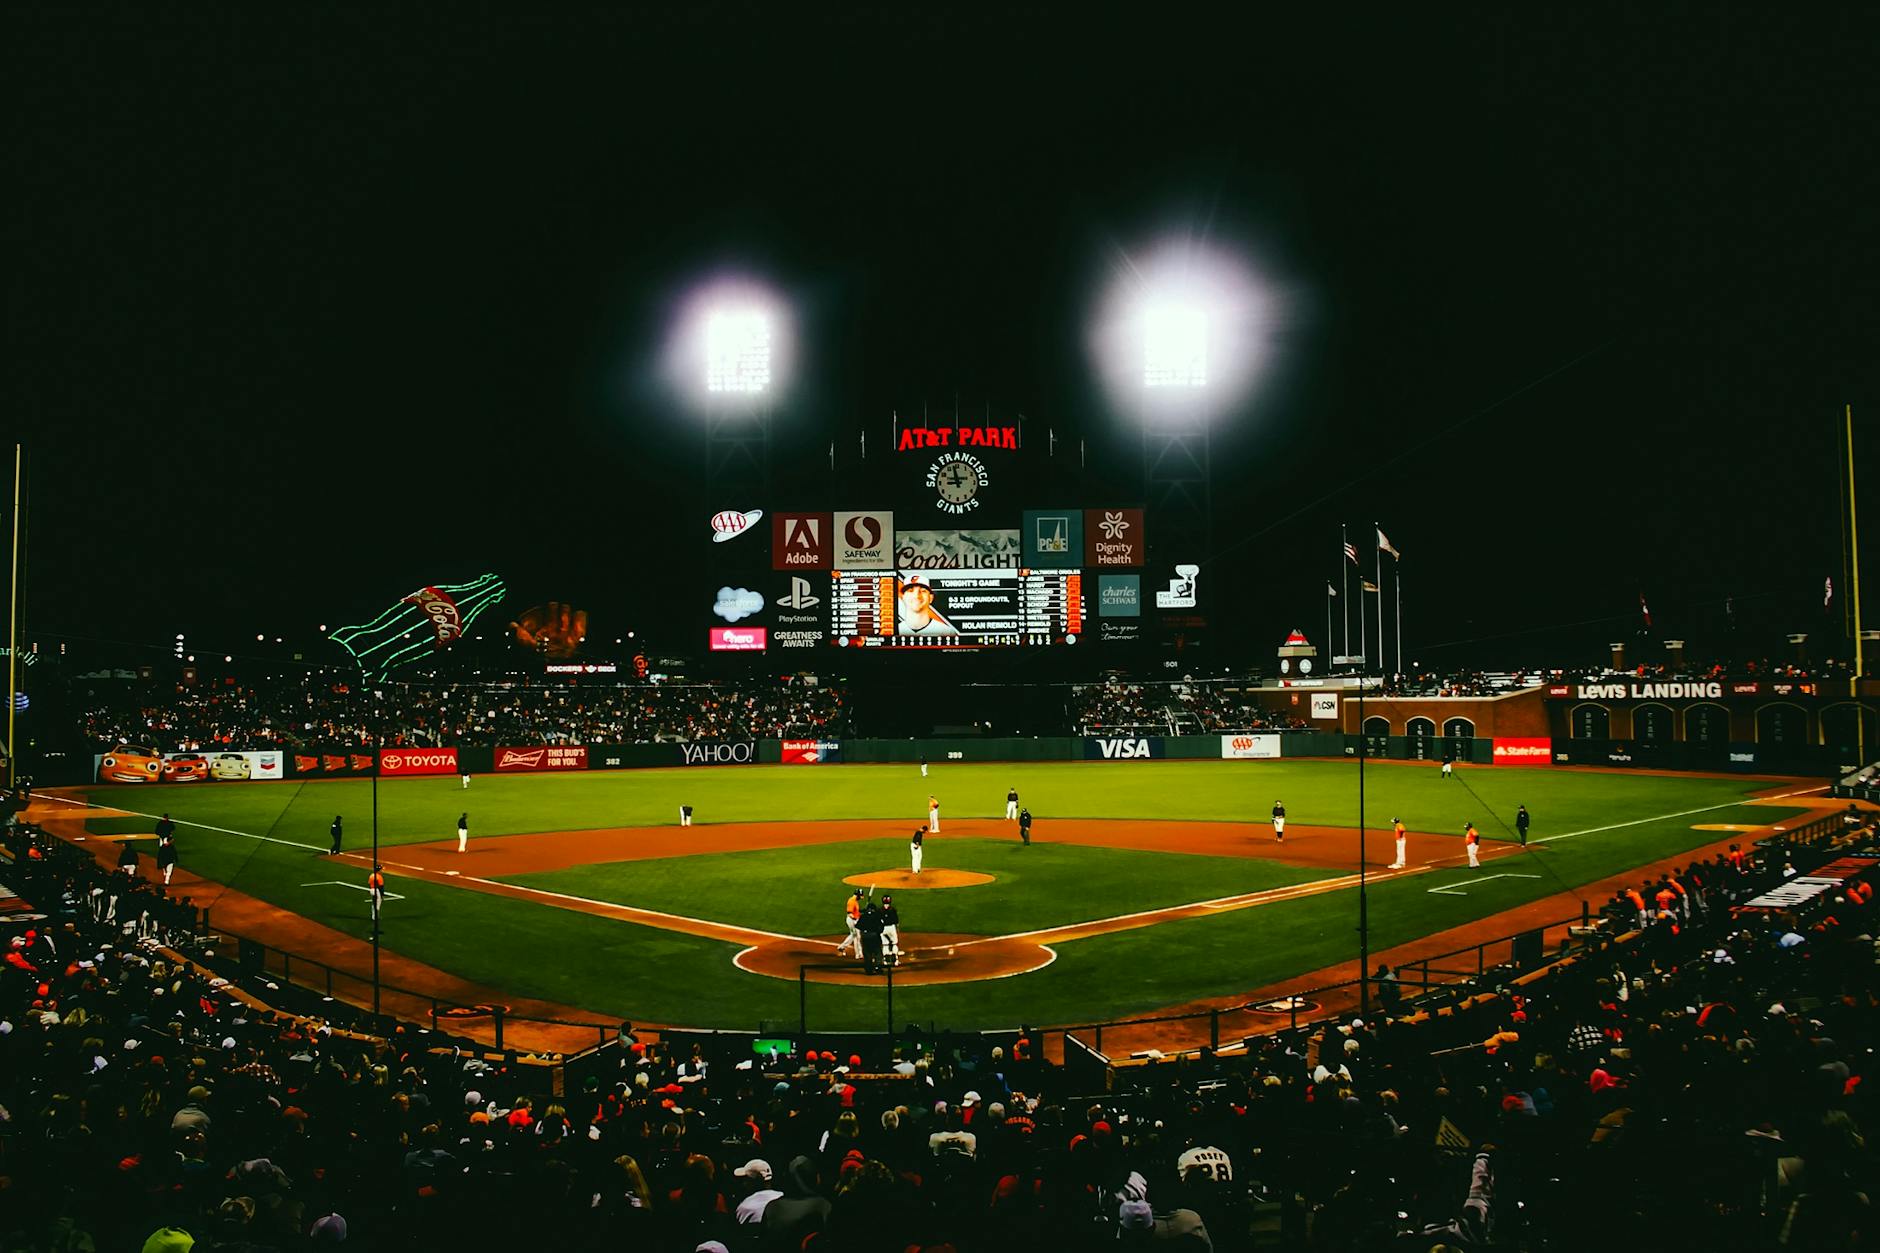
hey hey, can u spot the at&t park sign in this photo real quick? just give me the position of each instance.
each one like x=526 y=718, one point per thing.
x=916 y=438
x=1639 y=691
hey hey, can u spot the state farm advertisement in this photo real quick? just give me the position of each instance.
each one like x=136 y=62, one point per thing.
x=543 y=757
x=1249 y=747
x=1526 y=752
x=418 y=761
x=811 y=752
x=739 y=639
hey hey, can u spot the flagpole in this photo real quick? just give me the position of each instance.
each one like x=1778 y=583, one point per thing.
x=1344 y=584
x=1378 y=555
x=1397 y=569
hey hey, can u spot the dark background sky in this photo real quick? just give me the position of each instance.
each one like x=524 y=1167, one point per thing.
x=307 y=309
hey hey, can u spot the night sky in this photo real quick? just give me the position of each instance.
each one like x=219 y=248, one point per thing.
x=306 y=309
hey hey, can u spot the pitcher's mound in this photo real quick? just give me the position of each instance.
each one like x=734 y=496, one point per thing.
x=903 y=879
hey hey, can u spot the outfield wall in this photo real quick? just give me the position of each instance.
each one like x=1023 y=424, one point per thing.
x=350 y=762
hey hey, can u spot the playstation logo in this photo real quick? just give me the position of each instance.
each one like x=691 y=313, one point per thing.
x=799 y=597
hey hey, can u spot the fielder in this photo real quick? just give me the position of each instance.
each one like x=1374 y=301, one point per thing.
x=1472 y=839
x=851 y=918
x=933 y=814
x=913 y=847
x=890 y=932
x=1403 y=841
x=1279 y=822
x=1011 y=803
x=463 y=832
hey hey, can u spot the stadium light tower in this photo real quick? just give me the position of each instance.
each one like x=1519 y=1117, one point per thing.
x=729 y=358
x=1178 y=341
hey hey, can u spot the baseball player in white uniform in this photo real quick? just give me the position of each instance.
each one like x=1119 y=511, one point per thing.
x=890 y=931
x=913 y=847
x=1011 y=804
x=933 y=814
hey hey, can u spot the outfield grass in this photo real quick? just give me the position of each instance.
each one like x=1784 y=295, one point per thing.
x=1316 y=793
x=1593 y=825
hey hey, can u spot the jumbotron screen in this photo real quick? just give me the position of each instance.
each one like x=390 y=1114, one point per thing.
x=981 y=608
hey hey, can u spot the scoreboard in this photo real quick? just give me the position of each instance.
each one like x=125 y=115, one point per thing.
x=956 y=609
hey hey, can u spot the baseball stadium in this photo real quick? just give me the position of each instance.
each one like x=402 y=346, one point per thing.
x=648 y=630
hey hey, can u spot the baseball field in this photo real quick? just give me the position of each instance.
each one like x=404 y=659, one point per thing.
x=1148 y=884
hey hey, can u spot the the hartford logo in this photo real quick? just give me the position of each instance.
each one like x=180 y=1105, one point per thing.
x=741 y=753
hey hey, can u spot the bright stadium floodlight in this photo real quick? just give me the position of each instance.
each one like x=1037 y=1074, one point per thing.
x=730 y=346
x=737 y=351
x=1183 y=323
x=1174 y=346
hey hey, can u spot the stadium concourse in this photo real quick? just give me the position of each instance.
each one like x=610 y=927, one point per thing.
x=148 y=1102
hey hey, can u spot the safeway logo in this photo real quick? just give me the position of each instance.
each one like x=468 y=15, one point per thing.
x=1123 y=748
x=531 y=760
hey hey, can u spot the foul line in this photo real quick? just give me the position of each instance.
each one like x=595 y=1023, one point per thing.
x=184 y=822
x=1684 y=813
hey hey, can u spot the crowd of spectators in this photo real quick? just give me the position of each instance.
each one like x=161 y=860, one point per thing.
x=1190 y=707
x=1703 y=1076
x=320 y=711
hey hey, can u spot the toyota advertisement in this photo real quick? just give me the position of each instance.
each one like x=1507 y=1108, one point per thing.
x=416 y=761
x=543 y=757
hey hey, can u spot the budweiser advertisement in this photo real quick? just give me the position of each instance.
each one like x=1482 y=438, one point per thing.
x=811 y=752
x=543 y=757
x=739 y=639
x=1523 y=752
x=418 y=761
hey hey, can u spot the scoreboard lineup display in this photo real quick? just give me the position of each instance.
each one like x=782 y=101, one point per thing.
x=951 y=562
x=979 y=608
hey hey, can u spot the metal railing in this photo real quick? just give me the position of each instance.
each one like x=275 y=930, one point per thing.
x=398 y=1003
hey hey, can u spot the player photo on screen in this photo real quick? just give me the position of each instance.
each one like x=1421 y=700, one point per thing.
x=915 y=611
